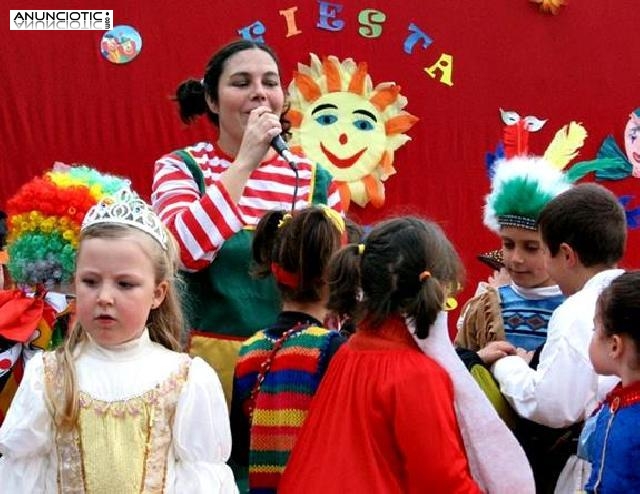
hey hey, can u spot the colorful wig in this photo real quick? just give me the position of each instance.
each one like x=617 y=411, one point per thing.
x=44 y=221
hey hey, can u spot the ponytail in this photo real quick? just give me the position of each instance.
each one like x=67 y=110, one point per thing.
x=264 y=242
x=344 y=281
x=192 y=103
x=426 y=306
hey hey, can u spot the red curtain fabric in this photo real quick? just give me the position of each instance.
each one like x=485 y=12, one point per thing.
x=61 y=101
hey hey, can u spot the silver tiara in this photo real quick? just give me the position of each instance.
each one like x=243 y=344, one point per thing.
x=126 y=208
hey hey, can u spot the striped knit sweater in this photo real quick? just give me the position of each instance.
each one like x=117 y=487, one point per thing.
x=202 y=224
x=282 y=402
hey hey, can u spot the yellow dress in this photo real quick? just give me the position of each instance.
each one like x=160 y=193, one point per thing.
x=150 y=421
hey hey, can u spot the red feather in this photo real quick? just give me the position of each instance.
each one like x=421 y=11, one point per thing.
x=516 y=140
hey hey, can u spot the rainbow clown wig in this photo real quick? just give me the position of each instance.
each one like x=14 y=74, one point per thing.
x=44 y=219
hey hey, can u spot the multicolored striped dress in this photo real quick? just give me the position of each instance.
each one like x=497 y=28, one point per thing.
x=266 y=418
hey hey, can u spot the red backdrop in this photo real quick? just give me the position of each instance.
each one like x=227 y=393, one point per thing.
x=61 y=101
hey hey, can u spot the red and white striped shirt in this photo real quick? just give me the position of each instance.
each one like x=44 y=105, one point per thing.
x=202 y=224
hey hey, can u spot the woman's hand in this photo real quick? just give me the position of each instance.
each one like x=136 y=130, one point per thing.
x=262 y=127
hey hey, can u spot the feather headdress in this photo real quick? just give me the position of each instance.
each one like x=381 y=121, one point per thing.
x=520 y=189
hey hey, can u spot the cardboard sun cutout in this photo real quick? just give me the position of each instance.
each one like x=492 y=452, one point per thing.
x=338 y=119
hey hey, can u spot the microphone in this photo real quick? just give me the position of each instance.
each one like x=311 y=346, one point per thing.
x=279 y=144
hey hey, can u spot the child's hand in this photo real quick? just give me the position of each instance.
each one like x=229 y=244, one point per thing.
x=499 y=278
x=524 y=354
x=496 y=350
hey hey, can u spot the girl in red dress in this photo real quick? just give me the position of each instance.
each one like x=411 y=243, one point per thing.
x=383 y=419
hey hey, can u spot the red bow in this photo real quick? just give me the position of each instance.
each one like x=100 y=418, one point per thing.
x=20 y=315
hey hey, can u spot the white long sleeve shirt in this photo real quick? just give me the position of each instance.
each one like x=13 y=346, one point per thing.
x=564 y=388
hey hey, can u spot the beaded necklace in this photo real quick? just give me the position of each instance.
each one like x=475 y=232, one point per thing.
x=265 y=367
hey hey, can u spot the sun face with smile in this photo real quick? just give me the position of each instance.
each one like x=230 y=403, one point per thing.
x=339 y=120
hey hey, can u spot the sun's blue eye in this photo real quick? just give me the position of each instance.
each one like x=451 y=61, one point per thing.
x=363 y=125
x=326 y=119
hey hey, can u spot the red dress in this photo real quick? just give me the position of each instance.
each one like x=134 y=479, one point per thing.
x=382 y=421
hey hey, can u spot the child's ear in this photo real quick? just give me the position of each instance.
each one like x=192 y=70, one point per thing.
x=568 y=254
x=617 y=346
x=159 y=294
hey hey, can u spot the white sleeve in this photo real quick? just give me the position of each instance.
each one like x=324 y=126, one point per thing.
x=202 y=435
x=496 y=461
x=558 y=393
x=26 y=436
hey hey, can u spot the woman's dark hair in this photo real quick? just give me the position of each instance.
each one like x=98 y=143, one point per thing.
x=190 y=94
x=618 y=306
x=386 y=278
x=299 y=243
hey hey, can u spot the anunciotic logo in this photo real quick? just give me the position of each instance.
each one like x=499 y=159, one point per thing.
x=61 y=20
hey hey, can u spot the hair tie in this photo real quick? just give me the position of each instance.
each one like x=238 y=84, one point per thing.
x=284 y=277
x=424 y=275
x=286 y=217
x=450 y=304
x=360 y=249
x=335 y=218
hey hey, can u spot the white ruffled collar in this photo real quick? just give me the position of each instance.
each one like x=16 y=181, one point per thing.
x=130 y=350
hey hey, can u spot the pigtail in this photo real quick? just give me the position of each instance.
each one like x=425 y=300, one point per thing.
x=408 y=268
x=319 y=239
x=264 y=241
x=190 y=96
x=427 y=304
x=344 y=281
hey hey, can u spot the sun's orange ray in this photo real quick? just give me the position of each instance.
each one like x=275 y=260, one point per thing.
x=333 y=76
x=345 y=195
x=356 y=85
x=385 y=97
x=307 y=86
x=400 y=123
x=374 y=191
x=386 y=163
x=295 y=118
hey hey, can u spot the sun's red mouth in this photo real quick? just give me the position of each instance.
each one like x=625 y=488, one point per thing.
x=636 y=157
x=342 y=162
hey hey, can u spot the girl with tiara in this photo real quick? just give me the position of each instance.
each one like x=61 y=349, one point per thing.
x=44 y=218
x=118 y=408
